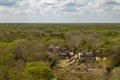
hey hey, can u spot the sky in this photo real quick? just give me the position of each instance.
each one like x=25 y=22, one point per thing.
x=59 y=11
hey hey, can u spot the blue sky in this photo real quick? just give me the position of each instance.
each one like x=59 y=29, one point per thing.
x=59 y=11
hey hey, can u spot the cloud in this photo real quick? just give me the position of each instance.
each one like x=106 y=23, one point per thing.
x=74 y=8
x=8 y=2
x=60 y=6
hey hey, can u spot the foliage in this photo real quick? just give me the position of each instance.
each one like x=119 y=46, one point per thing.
x=38 y=71
x=28 y=43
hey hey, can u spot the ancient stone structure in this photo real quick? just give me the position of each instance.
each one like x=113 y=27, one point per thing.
x=61 y=52
x=86 y=56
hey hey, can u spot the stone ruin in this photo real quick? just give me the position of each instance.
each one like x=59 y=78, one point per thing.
x=62 y=52
x=86 y=56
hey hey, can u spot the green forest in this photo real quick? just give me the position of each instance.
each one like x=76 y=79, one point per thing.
x=24 y=51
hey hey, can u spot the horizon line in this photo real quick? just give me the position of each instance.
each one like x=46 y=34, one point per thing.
x=60 y=23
